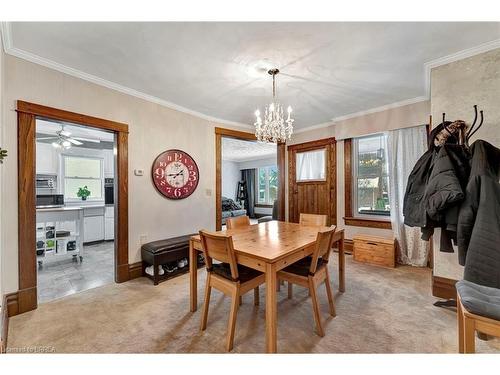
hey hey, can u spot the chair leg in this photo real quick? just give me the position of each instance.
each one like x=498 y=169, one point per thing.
x=460 y=323
x=330 y=295
x=204 y=313
x=256 y=296
x=232 y=321
x=469 y=336
x=315 y=305
x=290 y=290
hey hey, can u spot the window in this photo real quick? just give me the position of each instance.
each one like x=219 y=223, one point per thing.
x=267 y=185
x=310 y=165
x=82 y=171
x=370 y=176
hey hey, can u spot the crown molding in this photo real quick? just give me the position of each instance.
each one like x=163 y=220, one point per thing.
x=460 y=55
x=16 y=52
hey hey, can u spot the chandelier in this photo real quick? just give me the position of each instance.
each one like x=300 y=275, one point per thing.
x=274 y=128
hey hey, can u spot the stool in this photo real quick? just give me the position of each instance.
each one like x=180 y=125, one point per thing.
x=160 y=252
x=478 y=309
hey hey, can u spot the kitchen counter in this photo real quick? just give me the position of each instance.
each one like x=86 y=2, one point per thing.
x=59 y=209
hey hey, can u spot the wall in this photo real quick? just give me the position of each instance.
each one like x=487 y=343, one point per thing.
x=230 y=176
x=455 y=88
x=394 y=118
x=2 y=57
x=153 y=129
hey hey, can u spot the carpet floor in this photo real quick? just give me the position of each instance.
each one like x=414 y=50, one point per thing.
x=382 y=311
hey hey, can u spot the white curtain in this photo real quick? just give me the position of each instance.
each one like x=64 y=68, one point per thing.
x=405 y=147
x=311 y=165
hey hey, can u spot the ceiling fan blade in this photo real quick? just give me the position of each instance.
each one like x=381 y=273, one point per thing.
x=88 y=139
x=74 y=141
x=46 y=138
x=65 y=133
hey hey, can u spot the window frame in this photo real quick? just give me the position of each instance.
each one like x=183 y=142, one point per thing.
x=64 y=177
x=267 y=203
x=359 y=220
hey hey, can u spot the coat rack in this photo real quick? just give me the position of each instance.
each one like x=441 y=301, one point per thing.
x=465 y=139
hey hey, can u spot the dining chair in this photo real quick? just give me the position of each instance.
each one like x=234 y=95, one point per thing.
x=230 y=278
x=311 y=271
x=237 y=222
x=312 y=219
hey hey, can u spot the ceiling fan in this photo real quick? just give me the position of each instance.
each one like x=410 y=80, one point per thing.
x=63 y=139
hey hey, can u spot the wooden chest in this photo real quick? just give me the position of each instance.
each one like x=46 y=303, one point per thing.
x=375 y=250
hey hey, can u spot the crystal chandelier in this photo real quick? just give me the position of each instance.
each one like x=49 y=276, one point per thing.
x=274 y=128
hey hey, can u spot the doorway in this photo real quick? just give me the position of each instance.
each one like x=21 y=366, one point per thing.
x=227 y=134
x=312 y=179
x=28 y=114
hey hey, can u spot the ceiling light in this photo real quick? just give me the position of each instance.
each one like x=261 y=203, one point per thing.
x=274 y=128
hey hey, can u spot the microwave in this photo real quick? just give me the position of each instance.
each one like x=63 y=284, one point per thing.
x=49 y=200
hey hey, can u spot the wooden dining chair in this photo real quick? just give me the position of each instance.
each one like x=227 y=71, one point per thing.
x=311 y=271
x=237 y=222
x=230 y=278
x=313 y=220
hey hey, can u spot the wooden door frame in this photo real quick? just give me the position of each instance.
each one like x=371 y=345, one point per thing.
x=26 y=149
x=332 y=163
x=237 y=134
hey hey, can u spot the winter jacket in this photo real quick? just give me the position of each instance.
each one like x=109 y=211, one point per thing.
x=479 y=218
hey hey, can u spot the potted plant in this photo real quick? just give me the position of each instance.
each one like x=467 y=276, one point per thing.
x=83 y=193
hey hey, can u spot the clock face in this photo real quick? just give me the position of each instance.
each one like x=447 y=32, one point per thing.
x=175 y=174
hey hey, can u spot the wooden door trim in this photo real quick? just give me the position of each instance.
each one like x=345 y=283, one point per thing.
x=26 y=146
x=237 y=134
x=331 y=145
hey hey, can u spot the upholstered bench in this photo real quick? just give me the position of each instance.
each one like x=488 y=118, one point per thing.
x=161 y=252
x=478 y=309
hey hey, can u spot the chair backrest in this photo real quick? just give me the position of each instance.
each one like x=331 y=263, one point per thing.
x=237 y=222
x=219 y=247
x=313 y=220
x=323 y=247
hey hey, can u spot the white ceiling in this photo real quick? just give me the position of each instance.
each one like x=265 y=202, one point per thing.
x=238 y=150
x=51 y=127
x=329 y=70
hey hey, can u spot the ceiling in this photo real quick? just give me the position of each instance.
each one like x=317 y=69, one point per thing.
x=238 y=150
x=218 y=70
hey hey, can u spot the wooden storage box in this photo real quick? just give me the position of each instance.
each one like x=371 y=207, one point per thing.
x=375 y=250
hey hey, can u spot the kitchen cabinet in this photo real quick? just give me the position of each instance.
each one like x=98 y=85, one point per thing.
x=93 y=228
x=109 y=224
x=109 y=163
x=46 y=159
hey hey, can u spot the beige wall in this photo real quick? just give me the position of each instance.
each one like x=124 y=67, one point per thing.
x=394 y=118
x=153 y=129
x=455 y=88
x=2 y=56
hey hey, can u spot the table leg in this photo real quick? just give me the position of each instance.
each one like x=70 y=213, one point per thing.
x=193 y=277
x=271 y=309
x=341 y=264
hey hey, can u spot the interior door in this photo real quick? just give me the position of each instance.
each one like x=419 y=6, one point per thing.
x=312 y=179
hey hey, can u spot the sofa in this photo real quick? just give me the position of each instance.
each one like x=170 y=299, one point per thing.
x=231 y=209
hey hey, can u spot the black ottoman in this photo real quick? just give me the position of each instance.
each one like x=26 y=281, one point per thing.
x=164 y=251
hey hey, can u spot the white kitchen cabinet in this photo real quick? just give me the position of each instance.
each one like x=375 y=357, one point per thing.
x=93 y=228
x=109 y=223
x=109 y=163
x=46 y=159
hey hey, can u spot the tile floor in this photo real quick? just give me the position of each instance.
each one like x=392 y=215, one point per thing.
x=60 y=277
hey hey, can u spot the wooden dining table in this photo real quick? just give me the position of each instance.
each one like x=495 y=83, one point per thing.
x=268 y=247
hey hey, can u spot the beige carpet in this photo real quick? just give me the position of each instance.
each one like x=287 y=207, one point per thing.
x=382 y=311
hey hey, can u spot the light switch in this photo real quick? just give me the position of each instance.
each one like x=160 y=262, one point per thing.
x=139 y=172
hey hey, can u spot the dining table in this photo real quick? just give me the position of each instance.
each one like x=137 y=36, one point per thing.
x=268 y=247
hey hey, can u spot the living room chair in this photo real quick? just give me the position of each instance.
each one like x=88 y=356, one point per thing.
x=312 y=271
x=237 y=222
x=230 y=278
x=313 y=220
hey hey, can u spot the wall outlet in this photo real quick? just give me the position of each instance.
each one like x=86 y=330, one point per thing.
x=139 y=172
x=143 y=238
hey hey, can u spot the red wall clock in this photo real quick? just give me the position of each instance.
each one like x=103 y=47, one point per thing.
x=175 y=174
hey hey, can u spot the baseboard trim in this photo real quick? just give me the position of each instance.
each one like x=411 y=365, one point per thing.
x=443 y=287
x=135 y=270
x=10 y=307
